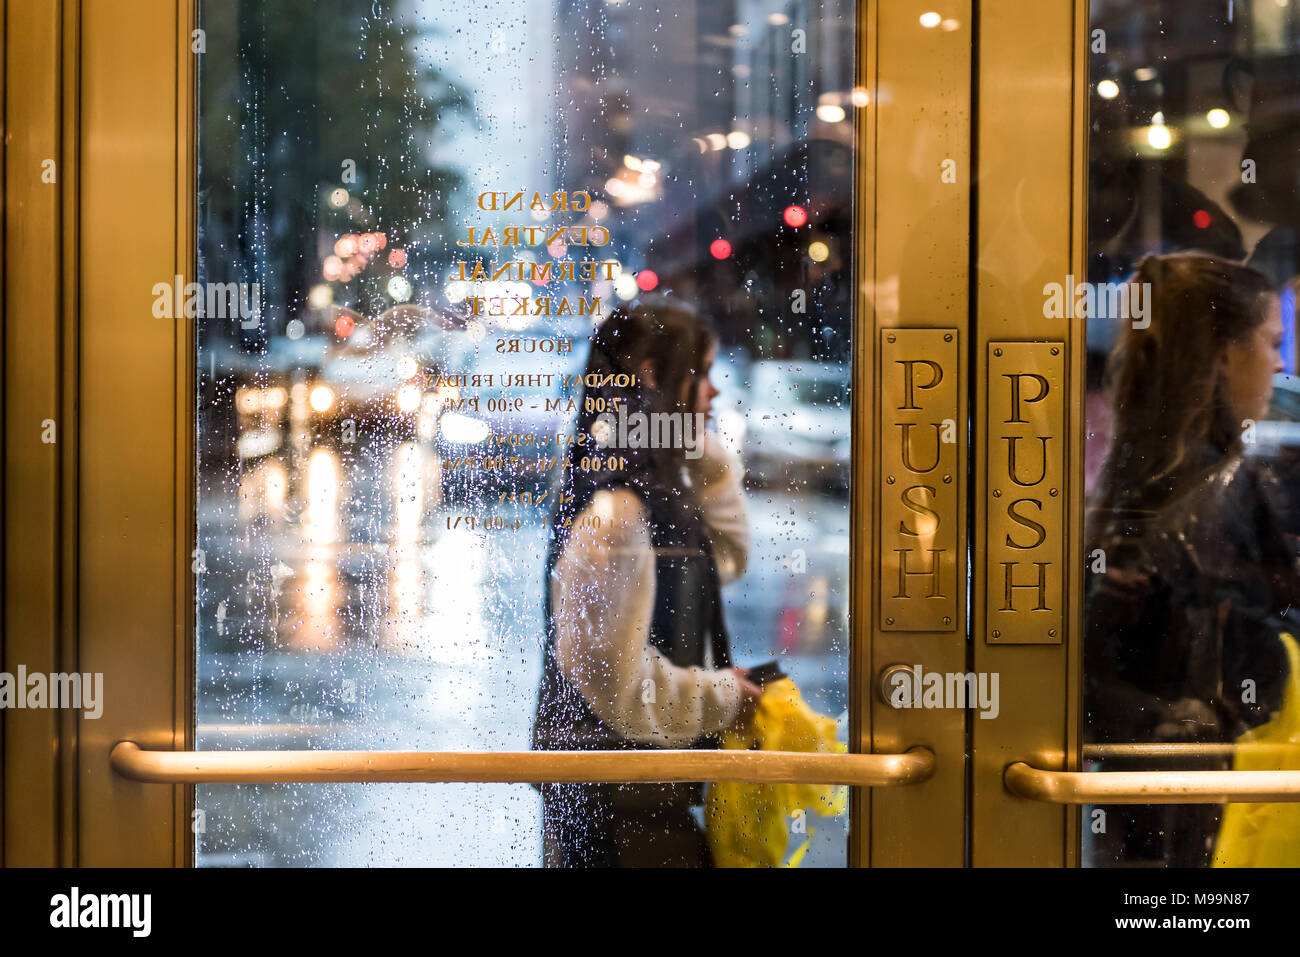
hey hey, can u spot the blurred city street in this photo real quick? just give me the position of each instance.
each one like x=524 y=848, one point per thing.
x=377 y=448
x=342 y=612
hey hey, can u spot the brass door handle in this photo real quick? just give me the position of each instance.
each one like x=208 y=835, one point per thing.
x=1151 y=787
x=131 y=761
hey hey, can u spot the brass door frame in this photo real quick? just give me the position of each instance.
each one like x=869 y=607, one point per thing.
x=915 y=255
x=862 y=448
x=1031 y=226
x=111 y=95
x=37 y=779
x=138 y=167
x=107 y=92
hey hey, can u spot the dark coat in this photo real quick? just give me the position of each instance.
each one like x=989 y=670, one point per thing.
x=593 y=825
x=1181 y=634
x=687 y=617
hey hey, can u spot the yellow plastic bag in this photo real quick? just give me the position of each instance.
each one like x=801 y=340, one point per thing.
x=749 y=825
x=1267 y=835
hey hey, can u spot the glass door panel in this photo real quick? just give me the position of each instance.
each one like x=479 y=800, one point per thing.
x=1190 y=546
x=398 y=243
x=412 y=225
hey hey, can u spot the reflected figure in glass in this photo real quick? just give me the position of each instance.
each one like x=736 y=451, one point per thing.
x=648 y=523
x=1192 y=571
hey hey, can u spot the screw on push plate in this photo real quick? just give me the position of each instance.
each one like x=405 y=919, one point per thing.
x=889 y=621
x=947 y=337
x=996 y=633
x=892 y=338
x=1055 y=351
x=1051 y=632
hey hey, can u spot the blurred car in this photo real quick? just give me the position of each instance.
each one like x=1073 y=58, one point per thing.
x=260 y=415
x=797 y=424
x=1281 y=430
x=362 y=378
x=268 y=384
x=303 y=355
x=381 y=370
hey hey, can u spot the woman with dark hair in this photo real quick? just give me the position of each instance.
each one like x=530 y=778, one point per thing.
x=1192 y=575
x=637 y=653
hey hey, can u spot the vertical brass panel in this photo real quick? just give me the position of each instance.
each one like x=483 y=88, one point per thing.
x=33 y=579
x=70 y=317
x=1075 y=436
x=4 y=18
x=921 y=437
x=1025 y=548
x=131 y=379
x=920 y=280
x=862 y=503
x=183 y=635
x=1030 y=232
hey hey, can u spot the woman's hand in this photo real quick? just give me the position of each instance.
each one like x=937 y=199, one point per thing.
x=712 y=461
x=749 y=695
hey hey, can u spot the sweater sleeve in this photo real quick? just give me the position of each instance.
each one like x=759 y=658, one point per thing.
x=603 y=594
x=717 y=479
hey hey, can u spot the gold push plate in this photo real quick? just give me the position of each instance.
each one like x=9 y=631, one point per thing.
x=921 y=467
x=1025 y=546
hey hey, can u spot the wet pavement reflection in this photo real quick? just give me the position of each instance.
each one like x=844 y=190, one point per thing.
x=342 y=606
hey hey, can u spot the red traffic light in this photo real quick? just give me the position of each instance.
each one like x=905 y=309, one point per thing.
x=646 y=280
x=795 y=216
x=720 y=249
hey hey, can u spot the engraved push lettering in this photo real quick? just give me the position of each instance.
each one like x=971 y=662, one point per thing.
x=932 y=573
x=1039 y=587
x=906 y=447
x=909 y=381
x=1026 y=494
x=920 y=518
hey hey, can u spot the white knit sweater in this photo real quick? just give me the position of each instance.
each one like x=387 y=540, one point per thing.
x=603 y=591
